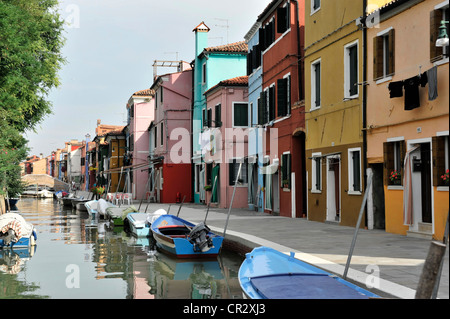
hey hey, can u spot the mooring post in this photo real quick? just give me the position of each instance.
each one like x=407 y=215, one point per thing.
x=430 y=270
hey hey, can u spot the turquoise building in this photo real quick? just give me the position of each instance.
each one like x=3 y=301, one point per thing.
x=211 y=65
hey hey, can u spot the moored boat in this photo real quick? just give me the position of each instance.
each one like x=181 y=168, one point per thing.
x=269 y=274
x=16 y=232
x=183 y=239
x=139 y=223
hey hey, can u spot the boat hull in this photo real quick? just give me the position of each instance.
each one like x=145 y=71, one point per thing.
x=22 y=242
x=179 y=245
x=268 y=274
x=138 y=226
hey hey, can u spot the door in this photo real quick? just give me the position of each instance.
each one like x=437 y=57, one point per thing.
x=333 y=188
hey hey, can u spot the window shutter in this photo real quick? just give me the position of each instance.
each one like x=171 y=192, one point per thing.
x=377 y=57
x=260 y=110
x=205 y=118
x=262 y=37
x=271 y=103
x=250 y=62
x=392 y=51
x=438 y=160
x=353 y=52
x=281 y=19
x=282 y=97
x=317 y=84
x=435 y=21
x=388 y=151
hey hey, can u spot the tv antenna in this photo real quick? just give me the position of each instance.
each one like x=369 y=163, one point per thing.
x=227 y=26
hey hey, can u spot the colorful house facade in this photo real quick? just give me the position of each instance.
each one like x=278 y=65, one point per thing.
x=170 y=138
x=225 y=131
x=141 y=112
x=335 y=152
x=255 y=144
x=211 y=65
x=408 y=117
x=280 y=107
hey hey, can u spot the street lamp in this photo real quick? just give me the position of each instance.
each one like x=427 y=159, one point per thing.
x=442 y=40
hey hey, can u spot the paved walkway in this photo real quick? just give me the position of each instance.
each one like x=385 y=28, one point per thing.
x=391 y=263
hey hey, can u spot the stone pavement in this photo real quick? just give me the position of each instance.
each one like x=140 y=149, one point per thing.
x=391 y=263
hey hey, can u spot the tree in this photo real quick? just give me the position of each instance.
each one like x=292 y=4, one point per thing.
x=30 y=57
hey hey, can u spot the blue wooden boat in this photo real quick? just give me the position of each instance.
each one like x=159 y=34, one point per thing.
x=24 y=242
x=269 y=274
x=12 y=224
x=183 y=239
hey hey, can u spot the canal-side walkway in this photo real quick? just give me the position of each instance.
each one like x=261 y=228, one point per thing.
x=391 y=263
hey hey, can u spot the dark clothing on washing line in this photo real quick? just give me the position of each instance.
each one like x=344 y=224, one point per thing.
x=396 y=89
x=432 y=83
x=412 y=98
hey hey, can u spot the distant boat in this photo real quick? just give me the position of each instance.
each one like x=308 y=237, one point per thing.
x=45 y=194
x=98 y=207
x=11 y=202
x=183 y=239
x=16 y=232
x=269 y=274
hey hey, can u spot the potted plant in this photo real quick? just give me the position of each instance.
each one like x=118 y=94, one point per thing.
x=396 y=177
x=208 y=188
x=445 y=178
x=285 y=183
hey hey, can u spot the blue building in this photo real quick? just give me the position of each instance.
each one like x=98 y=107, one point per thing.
x=255 y=145
x=211 y=65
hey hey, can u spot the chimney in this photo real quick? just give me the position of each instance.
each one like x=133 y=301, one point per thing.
x=201 y=38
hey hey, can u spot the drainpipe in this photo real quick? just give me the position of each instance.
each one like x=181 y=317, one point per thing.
x=364 y=101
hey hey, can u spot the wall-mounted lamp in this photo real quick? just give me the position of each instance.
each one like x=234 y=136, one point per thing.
x=442 y=40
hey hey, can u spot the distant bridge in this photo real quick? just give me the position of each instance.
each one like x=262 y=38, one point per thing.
x=47 y=181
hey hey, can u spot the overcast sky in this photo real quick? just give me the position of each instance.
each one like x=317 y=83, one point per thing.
x=110 y=48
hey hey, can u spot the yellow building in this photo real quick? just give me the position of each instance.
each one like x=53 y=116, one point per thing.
x=408 y=117
x=335 y=150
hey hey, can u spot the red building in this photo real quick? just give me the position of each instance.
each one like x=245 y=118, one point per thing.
x=281 y=107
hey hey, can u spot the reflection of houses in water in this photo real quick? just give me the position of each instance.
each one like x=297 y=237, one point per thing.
x=194 y=279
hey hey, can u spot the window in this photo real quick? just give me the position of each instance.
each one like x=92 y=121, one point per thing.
x=284 y=96
x=155 y=135
x=218 y=115
x=161 y=95
x=207 y=117
x=262 y=109
x=384 y=54
x=162 y=134
x=440 y=13
x=316 y=84
x=267 y=35
x=394 y=155
x=240 y=114
x=351 y=70
x=253 y=59
x=271 y=102
x=204 y=73
x=316 y=172
x=315 y=6
x=440 y=159
x=286 y=170
x=208 y=173
x=283 y=18
x=354 y=171
x=234 y=169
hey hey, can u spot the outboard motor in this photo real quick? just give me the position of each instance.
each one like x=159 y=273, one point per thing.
x=200 y=239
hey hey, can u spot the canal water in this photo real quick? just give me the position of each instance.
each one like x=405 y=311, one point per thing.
x=80 y=258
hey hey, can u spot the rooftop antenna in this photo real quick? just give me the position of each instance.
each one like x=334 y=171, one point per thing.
x=165 y=64
x=227 y=26
x=176 y=53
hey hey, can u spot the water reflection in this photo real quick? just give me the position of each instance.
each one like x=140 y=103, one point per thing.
x=80 y=257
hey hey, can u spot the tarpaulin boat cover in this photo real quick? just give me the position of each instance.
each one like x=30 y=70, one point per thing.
x=17 y=223
x=303 y=286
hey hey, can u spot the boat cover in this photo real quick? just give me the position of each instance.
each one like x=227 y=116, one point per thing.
x=17 y=223
x=303 y=286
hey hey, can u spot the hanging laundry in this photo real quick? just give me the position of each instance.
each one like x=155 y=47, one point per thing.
x=432 y=83
x=396 y=89
x=412 y=98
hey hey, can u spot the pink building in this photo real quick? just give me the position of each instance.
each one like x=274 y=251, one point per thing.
x=225 y=142
x=170 y=138
x=140 y=114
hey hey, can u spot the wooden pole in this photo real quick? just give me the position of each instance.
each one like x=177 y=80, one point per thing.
x=430 y=270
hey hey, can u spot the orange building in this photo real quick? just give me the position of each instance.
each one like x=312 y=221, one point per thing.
x=408 y=117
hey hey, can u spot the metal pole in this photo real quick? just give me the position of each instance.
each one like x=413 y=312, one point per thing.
x=184 y=197
x=232 y=199
x=212 y=194
x=361 y=213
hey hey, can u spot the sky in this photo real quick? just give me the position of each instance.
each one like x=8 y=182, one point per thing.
x=110 y=49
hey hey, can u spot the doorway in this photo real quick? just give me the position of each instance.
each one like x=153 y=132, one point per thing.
x=333 y=188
